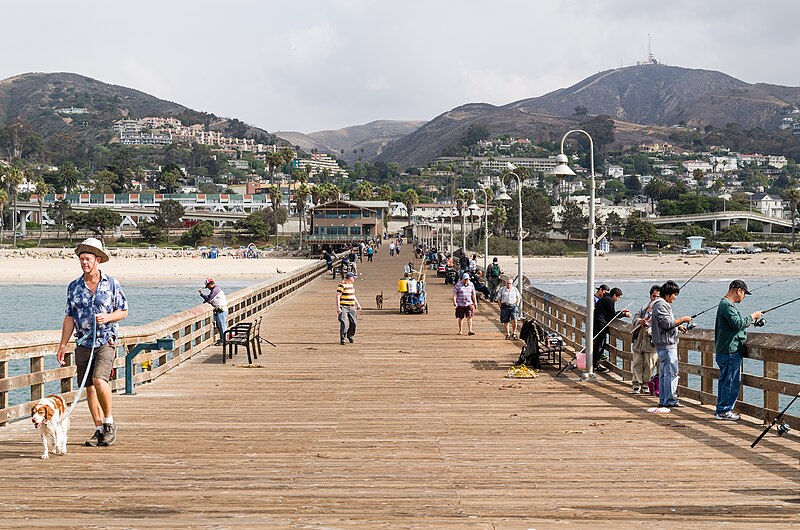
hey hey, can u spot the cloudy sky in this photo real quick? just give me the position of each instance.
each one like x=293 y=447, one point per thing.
x=308 y=65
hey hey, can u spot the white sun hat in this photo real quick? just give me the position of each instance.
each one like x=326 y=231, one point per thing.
x=92 y=246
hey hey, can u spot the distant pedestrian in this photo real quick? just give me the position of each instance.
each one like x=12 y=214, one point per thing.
x=370 y=251
x=493 y=278
x=326 y=255
x=464 y=300
x=463 y=263
x=95 y=303
x=391 y=248
x=604 y=313
x=643 y=352
x=665 y=339
x=730 y=336
x=216 y=297
x=509 y=300
x=346 y=306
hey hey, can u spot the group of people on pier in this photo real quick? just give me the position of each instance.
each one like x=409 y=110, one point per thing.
x=654 y=342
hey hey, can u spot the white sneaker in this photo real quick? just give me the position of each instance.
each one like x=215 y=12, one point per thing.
x=730 y=416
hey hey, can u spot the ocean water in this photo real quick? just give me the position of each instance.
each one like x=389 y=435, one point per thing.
x=699 y=295
x=41 y=307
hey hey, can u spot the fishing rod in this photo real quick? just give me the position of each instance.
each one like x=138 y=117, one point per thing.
x=701 y=270
x=570 y=364
x=693 y=325
x=783 y=428
x=761 y=321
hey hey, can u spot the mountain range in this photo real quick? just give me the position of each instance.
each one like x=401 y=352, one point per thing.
x=645 y=101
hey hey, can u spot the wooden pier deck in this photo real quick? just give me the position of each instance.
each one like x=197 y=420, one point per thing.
x=410 y=427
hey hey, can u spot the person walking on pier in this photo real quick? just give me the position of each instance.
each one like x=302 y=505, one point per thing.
x=391 y=248
x=346 y=306
x=509 y=300
x=216 y=297
x=665 y=338
x=95 y=303
x=493 y=278
x=465 y=301
x=730 y=336
x=644 y=354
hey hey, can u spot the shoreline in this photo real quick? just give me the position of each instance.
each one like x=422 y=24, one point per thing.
x=41 y=268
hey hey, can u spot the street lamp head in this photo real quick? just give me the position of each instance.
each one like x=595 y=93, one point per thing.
x=502 y=194
x=473 y=205
x=510 y=166
x=562 y=169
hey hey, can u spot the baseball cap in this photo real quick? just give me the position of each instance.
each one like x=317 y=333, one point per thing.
x=350 y=275
x=465 y=276
x=209 y=280
x=495 y=260
x=603 y=287
x=739 y=284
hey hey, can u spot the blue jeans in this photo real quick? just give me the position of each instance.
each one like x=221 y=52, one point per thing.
x=667 y=376
x=730 y=374
x=221 y=318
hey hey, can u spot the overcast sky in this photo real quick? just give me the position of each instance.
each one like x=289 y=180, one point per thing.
x=314 y=64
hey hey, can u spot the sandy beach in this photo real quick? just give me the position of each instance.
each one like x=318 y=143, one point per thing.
x=130 y=268
x=645 y=267
x=166 y=267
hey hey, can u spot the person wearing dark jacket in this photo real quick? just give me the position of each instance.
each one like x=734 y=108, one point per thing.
x=604 y=312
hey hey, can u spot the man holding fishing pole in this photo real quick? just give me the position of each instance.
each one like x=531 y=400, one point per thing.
x=604 y=313
x=95 y=303
x=730 y=336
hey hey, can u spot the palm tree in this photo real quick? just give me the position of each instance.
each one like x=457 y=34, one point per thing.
x=655 y=189
x=300 y=196
x=700 y=177
x=3 y=201
x=13 y=177
x=68 y=176
x=273 y=160
x=793 y=196
x=275 y=196
x=497 y=219
x=42 y=189
x=410 y=199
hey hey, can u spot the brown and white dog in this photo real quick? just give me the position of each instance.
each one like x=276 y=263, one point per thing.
x=48 y=415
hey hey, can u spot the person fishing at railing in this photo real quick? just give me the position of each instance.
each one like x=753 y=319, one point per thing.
x=644 y=354
x=216 y=297
x=95 y=303
x=730 y=336
x=604 y=312
x=665 y=328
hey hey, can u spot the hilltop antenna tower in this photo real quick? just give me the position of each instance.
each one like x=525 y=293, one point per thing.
x=650 y=57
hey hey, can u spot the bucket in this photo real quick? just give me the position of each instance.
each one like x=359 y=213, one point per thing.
x=580 y=361
x=412 y=286
x=402 y=286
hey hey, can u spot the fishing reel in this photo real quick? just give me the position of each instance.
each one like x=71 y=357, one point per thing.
x=691 y=325
x=759 y=322
x=782 y=428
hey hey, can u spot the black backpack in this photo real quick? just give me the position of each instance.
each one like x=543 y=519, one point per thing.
x=532 y=332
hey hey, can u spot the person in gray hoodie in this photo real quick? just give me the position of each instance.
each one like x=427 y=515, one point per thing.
x=665 y=329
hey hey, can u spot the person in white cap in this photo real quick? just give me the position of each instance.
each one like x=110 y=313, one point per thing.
x=465 y=301
x=216 y=297
x=95 y=303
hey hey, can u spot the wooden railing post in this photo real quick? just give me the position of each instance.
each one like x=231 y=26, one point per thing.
x=37 y=389
x=3 y=395
x=67 y=383
x=771 y=398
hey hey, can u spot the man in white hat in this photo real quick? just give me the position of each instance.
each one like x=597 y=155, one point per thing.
x=216 y=297
x=95 y=303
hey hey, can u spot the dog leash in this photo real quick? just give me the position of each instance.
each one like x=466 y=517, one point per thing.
x=88 y=366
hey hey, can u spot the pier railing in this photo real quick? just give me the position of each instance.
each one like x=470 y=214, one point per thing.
x=193 y=330
x=770 y=355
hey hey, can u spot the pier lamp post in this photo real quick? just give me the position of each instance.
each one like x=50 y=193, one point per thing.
x=485 y=228
x=473 y=207
x=563 y=170
x=504 y=196
x=452 y=213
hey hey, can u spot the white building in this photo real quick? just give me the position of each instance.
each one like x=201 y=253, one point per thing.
x=501 y=163
x=615 y=172
x=770 y=205
x=692 y=165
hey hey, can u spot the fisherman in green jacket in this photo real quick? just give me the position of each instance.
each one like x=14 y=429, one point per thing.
x=730 y=336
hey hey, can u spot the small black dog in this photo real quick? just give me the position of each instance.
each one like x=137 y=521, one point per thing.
x=379 y=300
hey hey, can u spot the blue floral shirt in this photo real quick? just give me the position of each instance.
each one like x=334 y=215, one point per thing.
x=83 y=306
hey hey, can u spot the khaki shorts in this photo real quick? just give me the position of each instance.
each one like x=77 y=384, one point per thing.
x=102 y=364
